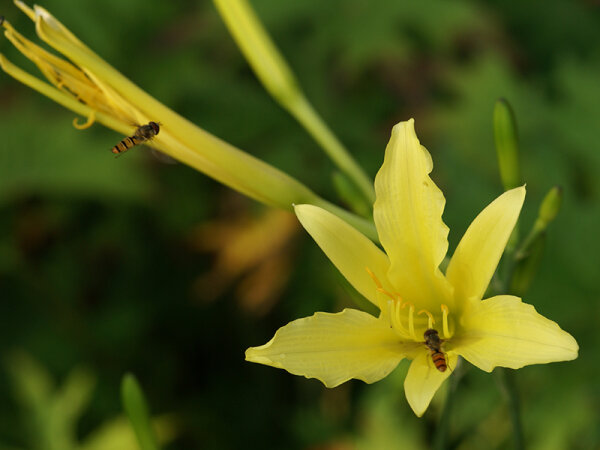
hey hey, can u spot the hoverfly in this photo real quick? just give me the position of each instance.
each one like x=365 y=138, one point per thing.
x=142 y=134
x=434 y=344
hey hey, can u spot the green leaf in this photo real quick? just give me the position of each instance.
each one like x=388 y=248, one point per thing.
x=45 y=156
x=136 y=408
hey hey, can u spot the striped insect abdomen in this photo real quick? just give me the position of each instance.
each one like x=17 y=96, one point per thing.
x=439 y=360
x=125 y=145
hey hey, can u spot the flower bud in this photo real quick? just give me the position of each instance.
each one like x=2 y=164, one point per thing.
x=550 y=205
x=507 y=144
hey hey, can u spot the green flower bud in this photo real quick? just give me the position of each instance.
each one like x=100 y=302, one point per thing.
x=507 y=144
x=550 y=205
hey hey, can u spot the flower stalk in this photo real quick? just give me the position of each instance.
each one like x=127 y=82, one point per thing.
x=442 y=431
x=523 y=265
x=273 y=72
x=546 y=214
x=507 y=382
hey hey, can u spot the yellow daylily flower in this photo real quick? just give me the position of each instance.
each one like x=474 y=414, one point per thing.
x=411 y=292
x=86 y=84
x=89 y=86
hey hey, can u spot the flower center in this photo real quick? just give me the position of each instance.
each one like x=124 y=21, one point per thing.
x=402 y=317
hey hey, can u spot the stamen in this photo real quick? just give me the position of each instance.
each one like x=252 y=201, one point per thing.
x=90 y=121
x=398 y=320
x=431 y=320
x=375 y=279
x=393 y=307
x=389 y=294
x=380 y=288
x=445 y=313
x=411 y=319
x=392 y=311
x=398 y=298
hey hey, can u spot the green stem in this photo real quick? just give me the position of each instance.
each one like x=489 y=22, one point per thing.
x=538 y=228
x=303 y=111
x=505 y=377
x=508 y=386
x=442 y=431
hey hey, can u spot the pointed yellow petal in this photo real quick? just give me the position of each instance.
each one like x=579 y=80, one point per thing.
x=408 y=217
x=504 y=331
x=333 y=348
x=423 y=380
x=349 y=250
x=477 y=255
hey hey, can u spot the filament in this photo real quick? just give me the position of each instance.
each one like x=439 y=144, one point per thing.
x=411 y=319
x=431 y=320
x=445 y=313
x=82 y=126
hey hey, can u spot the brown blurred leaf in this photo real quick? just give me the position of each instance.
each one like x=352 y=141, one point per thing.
x=255 y=252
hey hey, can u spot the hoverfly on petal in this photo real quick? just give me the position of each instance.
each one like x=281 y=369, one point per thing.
x=143 y=134
x=434 y=344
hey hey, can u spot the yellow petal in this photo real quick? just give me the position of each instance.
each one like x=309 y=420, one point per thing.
x=504 y=331
x=477 y=255
x=349 y=250
x=333 y=348
x=408 y=217
x=423 y=380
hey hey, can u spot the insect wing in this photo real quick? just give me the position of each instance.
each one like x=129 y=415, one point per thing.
x=162 y=157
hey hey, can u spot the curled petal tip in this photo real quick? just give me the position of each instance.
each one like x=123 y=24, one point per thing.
x=251 y=355
x=408 y=124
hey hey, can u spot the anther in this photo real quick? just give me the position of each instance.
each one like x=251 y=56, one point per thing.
x=431 y=320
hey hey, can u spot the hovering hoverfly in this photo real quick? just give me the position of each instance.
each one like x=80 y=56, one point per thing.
x=434 y=344
x=142 y=134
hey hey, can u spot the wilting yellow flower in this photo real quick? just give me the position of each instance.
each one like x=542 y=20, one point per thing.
x=89 y=86
x=413 y=295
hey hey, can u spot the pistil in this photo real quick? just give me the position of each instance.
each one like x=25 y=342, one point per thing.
x=405 y=325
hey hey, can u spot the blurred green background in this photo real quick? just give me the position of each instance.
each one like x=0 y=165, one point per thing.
x=109 y=266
